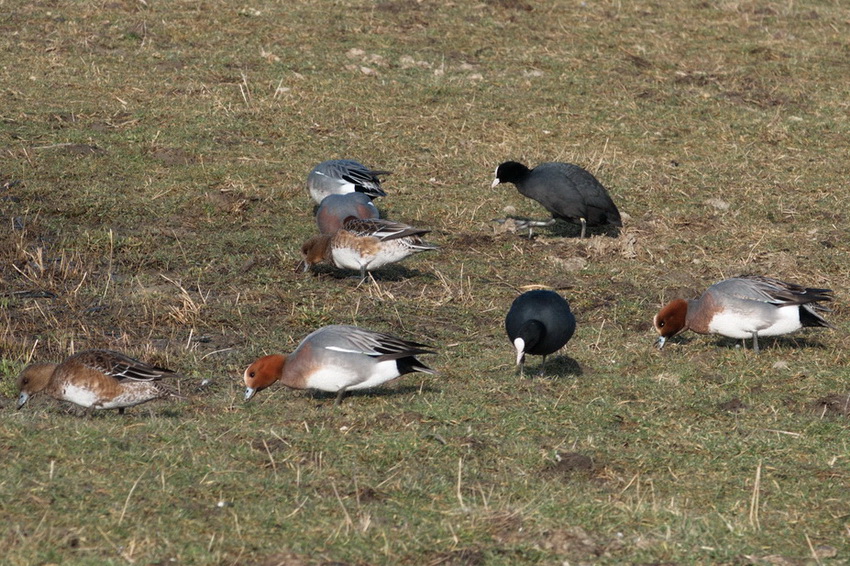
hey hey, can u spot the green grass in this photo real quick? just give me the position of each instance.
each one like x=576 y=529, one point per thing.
x=153 y=199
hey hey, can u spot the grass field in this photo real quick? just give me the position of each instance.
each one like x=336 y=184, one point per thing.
x=152 y=192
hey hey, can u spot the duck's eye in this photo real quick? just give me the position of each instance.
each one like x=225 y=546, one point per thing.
x=661 y=324
x=252 y=374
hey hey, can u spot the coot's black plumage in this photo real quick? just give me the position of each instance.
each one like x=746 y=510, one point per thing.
x=566 y=190
x=539 y=322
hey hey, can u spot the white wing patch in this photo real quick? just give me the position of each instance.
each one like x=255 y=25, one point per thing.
x=348 y=351
x=338 y=181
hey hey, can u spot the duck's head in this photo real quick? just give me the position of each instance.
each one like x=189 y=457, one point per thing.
x=314 y=250
x=32 y=380
x=670 y=320
x=263 y=373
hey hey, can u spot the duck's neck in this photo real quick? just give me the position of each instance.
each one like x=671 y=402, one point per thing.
x=317 y=249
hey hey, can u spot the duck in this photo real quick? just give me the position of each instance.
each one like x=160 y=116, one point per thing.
x=95 y=379
x=338 y=358
x=567 y=191
x=336 y=208
x=539 y=322
x=748 y=306
x=341 y=176
x=365 y=245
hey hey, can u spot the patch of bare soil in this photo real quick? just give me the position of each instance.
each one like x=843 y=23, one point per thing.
x=270 y=444
x=389 y=421
x=733 y=405
x=569 y=465
x=836 y=404
x=574 y=542
x=469 y=240
x=626 y=245
x=367 y=495
x=173 y=156
x=230 y=201
x=82 y=149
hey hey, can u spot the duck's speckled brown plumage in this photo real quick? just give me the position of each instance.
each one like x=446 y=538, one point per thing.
x=95 y=379
x=365 y=245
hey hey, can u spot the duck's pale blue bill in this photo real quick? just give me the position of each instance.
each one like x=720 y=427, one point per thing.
x=249 y=392
x=660 y=342
x=495 y=183
x=22 y=399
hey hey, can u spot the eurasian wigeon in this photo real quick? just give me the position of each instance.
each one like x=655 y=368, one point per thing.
x=95 y=379
x=337 y=208
x=338 y=358
x=365 y=245
x=744 y=307
x=539 y=322
x=565 y=190
x=341 y=176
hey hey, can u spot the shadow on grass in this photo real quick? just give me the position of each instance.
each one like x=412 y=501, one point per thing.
x=765 y=343
x=564 y=229
x=388 y=273
x=556 y=367
x=389 y=391
x=777 y=342
x=144 y=411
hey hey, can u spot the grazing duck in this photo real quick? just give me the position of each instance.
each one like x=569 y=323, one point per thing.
x=341 y=176
x=567 y=191
x=745 y=307
x=337 y=359
x=337 y=208
x=365 y=245
x=539 y=322
x=95 y=379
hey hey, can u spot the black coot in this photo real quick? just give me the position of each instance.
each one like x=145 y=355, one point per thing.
x=565 y=190
x=539 y=322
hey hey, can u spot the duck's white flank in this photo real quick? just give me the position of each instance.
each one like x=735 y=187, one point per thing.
x=336 y=377
x=784 y=320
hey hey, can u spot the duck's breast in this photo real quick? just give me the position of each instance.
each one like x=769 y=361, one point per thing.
x=79 y=395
